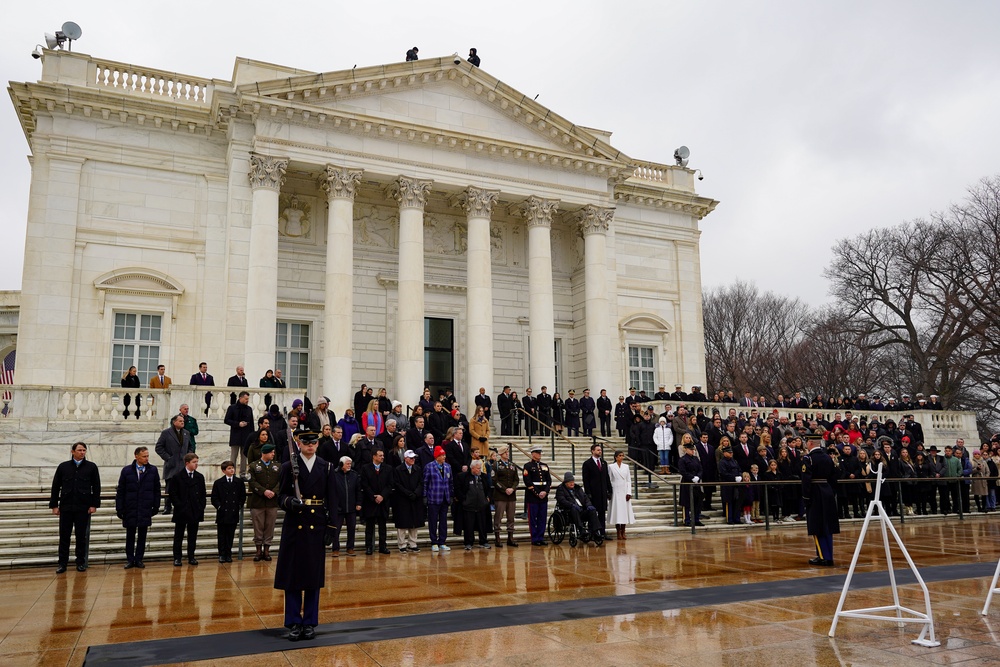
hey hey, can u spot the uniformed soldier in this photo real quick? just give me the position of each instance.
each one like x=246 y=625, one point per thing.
x=265 y=478
x=300 y=570
x=819 y=493
x=537 y=483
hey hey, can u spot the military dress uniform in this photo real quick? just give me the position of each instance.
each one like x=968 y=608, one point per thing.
x=819 y=479
x=537 y=480
x=300 y=570
x=263 y=510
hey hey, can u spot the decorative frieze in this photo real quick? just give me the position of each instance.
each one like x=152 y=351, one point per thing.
x=267 y=171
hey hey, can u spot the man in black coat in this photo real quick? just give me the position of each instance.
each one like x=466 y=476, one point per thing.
x=709 y=467
x=76 y=494
x=408 y=509
x=459 y=456
x=239 y=419
x=505 y=405
x=172 y=445
x=597 y=484
x=543 y=404
x=819 y=493
x=229 y=493
x=689 y=466
x=188 y=496
x=376 y=491
x=137 y=500
x=605 y=410
x=484 y=401
x=204 y=379
x=530 y=405
x=301 y=566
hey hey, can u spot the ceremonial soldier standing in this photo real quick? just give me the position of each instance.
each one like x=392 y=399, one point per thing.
x=537 y=483
x=819 y=479
x=689 y=467
x=300 y=570
x=262 y=499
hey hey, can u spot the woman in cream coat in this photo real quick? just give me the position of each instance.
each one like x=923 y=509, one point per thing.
x=620 y=508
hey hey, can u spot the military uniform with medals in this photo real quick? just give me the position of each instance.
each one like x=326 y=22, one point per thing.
x=536 y=481
x=263 y=510
x=819 y=480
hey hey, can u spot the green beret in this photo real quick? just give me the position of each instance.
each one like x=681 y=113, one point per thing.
x=267 y=448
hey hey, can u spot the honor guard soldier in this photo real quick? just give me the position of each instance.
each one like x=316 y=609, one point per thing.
x=300 y=571
x=537 y=484
x=819 y=492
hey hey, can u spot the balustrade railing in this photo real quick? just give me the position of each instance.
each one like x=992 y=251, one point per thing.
x=133 y=79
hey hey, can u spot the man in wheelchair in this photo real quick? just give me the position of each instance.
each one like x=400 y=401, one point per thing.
x=572 y=500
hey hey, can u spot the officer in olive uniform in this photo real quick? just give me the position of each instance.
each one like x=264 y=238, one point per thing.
x=300 y=570
x=537 y=484
x=262 y=499
x=819 y=492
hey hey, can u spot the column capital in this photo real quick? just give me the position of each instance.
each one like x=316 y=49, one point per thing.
x=476 y=202
x=595 y=219
x=339 y=182
x=267 y=171
x=410 y=192
x=537 y=211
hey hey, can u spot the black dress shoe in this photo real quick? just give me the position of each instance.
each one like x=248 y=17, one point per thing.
x=229 y=559
x=192 y=561
x=309 y=632
x=81 y=568
x=385 y=551
x=177 y=562
x=139 y=564
x=60 y=569
x=817 y=561
x=129 y=565
x=222 y=559
x=699 y=523
x=295 y=633
x=369 y=552
x=827 y=563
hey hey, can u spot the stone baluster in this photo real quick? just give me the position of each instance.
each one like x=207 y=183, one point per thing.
x=411 y=194
x=267 y=174
x=338 y=341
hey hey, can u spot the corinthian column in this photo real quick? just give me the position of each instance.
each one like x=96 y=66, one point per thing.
x=267 y=174
x=478 y=205
x=594 y=223
x=541 y=321
x=338 y=341
x=411 y=195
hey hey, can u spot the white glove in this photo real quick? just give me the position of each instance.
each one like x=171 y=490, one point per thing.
x=739 y=478
x=696 y=479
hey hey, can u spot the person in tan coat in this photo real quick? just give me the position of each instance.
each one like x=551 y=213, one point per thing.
x=161 y=380
x=479 y=429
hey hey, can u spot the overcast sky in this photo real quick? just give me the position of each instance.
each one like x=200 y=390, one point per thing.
x=811 y=121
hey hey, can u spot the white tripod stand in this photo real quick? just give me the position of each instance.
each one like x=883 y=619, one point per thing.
x=993 y=589
x=926 y=637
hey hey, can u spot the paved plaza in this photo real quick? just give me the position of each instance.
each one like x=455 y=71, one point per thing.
x=724 y=597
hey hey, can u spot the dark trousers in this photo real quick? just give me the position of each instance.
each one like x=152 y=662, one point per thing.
x=951 y=497
x=135 y=550
x=696 y=502
x=602 y=519
x=505 y=425
x=458 y=518
x=302 y=607
x=352 y=522
x=437 y=523
x=227 y=531
x=606 y=426
x=74 y=521
x=966 y=490
x=192 y=535
x=580 y=517
x=370 y=524
x=476 y=520
x=537 y=515
x=729 y=504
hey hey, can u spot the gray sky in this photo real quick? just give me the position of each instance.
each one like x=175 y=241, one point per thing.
x=810 y=120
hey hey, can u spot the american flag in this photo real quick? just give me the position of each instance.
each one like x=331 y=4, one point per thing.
x=7 y=377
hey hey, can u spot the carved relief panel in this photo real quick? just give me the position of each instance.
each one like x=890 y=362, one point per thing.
x=297 y=217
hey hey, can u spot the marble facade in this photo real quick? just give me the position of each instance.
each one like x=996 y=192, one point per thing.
x=359 y=203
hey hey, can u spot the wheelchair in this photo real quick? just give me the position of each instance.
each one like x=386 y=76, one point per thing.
x=560 y=526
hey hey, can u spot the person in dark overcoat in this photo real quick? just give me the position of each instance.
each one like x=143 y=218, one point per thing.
x=229 y=493
x=188 y=496
x=597 y=484
x=76 y=495
x=137 y=500
x=709 y=467
x=819 y=482
x=172 y=445
x=344 y=502
x=408 y=509
x=689 y=467
x=300 y=570
x=376 y=494
x=239 y=419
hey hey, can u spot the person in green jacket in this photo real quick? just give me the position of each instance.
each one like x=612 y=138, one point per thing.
x=952 y=473
x=190 y=424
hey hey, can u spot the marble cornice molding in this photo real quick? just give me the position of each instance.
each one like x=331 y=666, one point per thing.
x=476 y=202
x=680 y=202
x=288 y=113
x=340 y=182
x=409 y=192
x=536 y=211
x=267 y=172
x=594 y=219
x=389 y=282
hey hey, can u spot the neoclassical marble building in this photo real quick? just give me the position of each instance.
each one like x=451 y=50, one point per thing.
x=398 y=225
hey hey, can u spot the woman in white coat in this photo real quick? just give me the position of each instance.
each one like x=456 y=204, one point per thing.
x=620 y=508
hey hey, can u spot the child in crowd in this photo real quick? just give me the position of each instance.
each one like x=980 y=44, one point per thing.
x=747 y=502
x=755 y=477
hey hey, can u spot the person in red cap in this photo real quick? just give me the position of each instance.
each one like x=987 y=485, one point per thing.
x=439 y=490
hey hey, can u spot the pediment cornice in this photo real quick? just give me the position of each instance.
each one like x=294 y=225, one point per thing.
x=656 y=197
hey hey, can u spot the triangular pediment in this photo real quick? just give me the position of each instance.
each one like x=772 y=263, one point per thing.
x=437 y=95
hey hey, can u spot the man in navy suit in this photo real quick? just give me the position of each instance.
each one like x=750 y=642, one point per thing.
x=204 y=379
